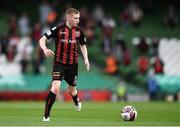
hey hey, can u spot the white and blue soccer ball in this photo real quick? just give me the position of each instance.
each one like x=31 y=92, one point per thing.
x=128 y=113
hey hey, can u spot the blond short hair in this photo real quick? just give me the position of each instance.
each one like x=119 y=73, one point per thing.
x=70 y=11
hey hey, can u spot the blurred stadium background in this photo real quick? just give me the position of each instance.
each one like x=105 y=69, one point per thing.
x=133 y=49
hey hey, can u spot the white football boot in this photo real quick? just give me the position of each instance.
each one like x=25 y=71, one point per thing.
x=46 y=119
x=78 y=107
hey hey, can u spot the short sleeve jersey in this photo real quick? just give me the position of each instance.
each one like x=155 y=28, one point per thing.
x=66 y=43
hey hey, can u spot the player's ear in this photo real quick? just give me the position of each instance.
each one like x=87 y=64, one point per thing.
x=68 y=17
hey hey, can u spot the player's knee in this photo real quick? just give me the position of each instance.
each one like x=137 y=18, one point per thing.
x=55 y=86
x=72 y=90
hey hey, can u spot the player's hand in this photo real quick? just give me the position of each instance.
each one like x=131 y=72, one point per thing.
x=48 y=52
x=86 y=62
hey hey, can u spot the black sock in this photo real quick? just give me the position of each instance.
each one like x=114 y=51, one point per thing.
x=75 y=99
x=49 y=102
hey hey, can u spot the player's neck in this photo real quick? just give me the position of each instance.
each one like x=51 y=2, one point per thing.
x=68 y=25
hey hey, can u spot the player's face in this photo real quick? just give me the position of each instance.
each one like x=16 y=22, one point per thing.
x=74 y=19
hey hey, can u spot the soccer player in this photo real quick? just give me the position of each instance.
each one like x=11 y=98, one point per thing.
x=67 y=38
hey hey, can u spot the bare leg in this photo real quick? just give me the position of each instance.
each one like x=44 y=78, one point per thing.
x=74 y=94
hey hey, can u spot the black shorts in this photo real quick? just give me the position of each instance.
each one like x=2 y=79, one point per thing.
x=66 y=72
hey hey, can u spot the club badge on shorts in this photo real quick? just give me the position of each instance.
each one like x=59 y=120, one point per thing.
x=75 y=80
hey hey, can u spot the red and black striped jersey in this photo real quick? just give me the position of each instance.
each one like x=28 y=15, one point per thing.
x=66 y=43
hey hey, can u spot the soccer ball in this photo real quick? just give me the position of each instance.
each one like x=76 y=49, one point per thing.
x=128 y=113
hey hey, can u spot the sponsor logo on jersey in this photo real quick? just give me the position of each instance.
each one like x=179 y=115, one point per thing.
x=68 y=41
x=62 y=32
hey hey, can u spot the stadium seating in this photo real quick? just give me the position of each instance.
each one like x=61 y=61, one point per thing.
x=170 y=54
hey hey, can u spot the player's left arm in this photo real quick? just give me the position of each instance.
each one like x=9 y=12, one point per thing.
x=85 y=55
x=82 y=41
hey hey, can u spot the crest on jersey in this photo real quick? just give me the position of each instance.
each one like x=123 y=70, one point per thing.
x=77 y=33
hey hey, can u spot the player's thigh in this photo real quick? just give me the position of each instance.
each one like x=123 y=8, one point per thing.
x=71 y=80
x=58 y=72
x=71 y=76
x=56 y=83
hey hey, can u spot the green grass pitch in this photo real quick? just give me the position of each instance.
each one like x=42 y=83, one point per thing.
x=92 y=114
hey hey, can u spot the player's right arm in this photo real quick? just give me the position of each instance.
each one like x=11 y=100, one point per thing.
x=42 y=44
x=52 y=33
